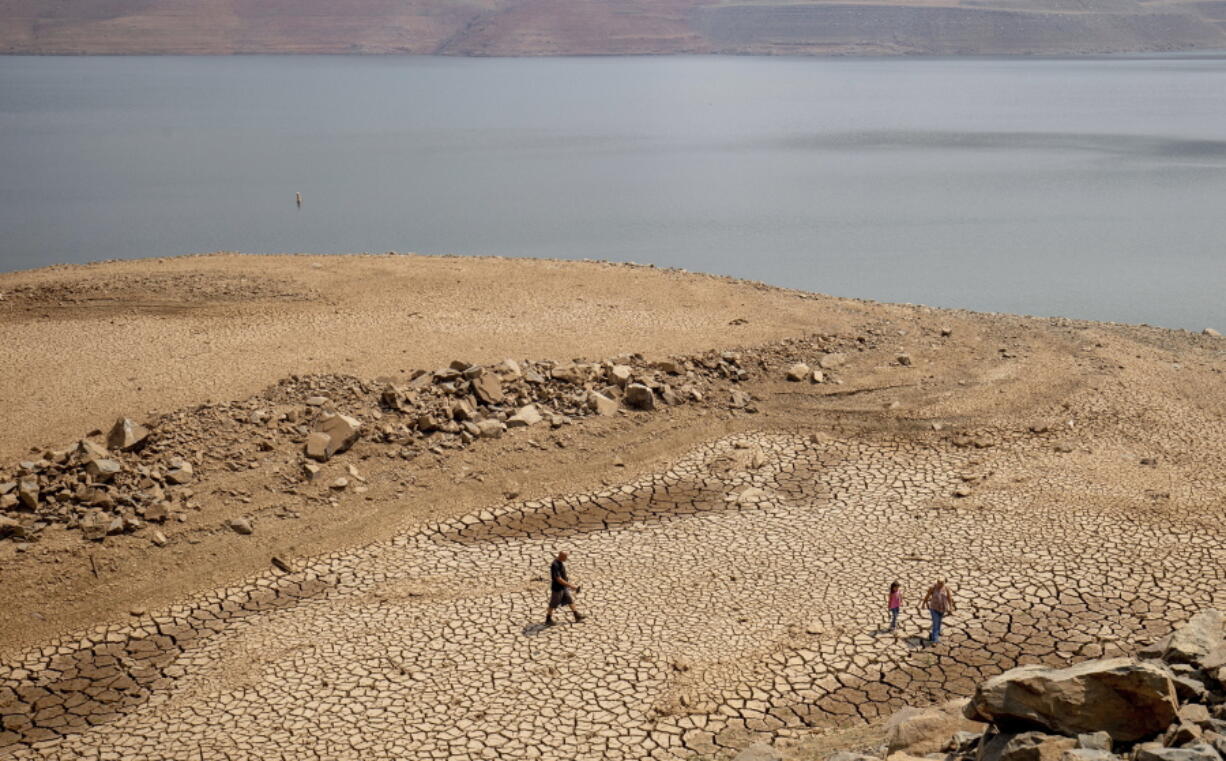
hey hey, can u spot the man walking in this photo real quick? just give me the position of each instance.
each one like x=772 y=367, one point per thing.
x=940 y=602
x=560 y=590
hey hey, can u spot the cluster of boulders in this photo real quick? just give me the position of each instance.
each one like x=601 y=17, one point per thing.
x=102 y=485
x=1167 y=704
x=137 y=474
x=456 y=405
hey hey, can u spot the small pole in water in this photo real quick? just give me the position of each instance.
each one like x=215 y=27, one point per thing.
x=298 y=199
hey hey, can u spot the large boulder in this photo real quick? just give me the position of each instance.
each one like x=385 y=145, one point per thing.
x=1200 y=642
x=1123 y=697
x=126 y=435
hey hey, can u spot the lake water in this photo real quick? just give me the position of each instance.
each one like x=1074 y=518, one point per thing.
x=1086 y=188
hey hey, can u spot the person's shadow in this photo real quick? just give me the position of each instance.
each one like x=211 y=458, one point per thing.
x=532 y=630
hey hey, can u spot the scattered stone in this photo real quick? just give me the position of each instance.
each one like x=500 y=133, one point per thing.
x=281 y=565
x=1211 y=333
x=333 y=434
x=126 y=435
x=904 y=360
x=620 y=375
x=339 y=484
x=1094 y=741
x=1192 y=752
x=832 y=360
x=1026 y=746
x=798 y=372
x=601 y=404
x=8 y=526
x=95 y=526
x=640 y=397
x=488 y=388
x=180 y=472
x=317 y=401
x=490 y=429
x=102 y=470
x=27 y=492
x=524 y=417
x=240 y=526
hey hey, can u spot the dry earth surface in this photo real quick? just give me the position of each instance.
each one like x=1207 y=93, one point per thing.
x=611 y=27
x=734 y=549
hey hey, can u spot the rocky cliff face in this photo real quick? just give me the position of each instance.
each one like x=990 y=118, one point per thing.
x=586 y=27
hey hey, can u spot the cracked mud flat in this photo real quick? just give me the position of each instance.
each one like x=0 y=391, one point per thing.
x=738 y=591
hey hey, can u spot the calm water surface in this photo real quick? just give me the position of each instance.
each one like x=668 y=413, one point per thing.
x=1088 y=188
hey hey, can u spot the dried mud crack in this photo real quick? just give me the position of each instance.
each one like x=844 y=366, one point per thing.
x=729 y=594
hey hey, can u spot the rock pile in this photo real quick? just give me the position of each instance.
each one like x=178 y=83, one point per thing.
x=1169 y=704
x=136 y=474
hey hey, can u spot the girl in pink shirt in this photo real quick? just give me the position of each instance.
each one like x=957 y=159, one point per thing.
x=895 y=604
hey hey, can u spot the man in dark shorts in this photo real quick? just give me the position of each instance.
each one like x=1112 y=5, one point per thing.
x=560 y=590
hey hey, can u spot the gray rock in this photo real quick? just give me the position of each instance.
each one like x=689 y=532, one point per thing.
x=832 y=360
x=1088 y=754
x=317 y=446
x=8 y=526
x=490 y=429
x=102 y=470
x=524 y=417
x=1194 y=752
x=341 y=432
x=1094 y=741
x=89 y=450
x=798 y=372
x=488 y=388
x=601 y=404
x=1128 y=699
x=1199 y=640
x=1025 y=746
x=95 y=525
x=180 y=472
x=27 y=492
x=640 y=397
x=240 y=526
x=904 y=360
x=620 y=375
x=126 y=435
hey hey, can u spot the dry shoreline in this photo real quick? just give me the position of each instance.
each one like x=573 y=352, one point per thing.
x=1088 y=446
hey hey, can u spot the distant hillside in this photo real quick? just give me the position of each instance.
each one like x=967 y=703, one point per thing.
x=590 y=27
